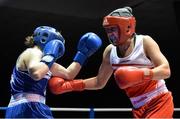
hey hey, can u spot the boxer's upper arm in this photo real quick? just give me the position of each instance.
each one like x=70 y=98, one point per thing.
x=32 y=58
x=36 y=69
x=152 y=51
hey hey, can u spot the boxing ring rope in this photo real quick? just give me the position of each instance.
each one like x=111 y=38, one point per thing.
x=97 y=109
x=89 y=109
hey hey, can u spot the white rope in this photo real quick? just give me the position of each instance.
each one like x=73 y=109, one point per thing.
x=89 y=109
x=70 y=109
x=98 y=109
x=112 y=109
x=94 y=109
x=176 y=109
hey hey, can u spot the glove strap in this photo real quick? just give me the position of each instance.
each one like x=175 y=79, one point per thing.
x=148 y=74
x=48 y=60
x=80 y=58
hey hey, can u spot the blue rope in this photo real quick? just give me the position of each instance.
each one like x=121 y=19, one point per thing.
x=91 y=113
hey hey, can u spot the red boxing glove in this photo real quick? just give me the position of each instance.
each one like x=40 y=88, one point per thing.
x=128 y=76
x=58 y=85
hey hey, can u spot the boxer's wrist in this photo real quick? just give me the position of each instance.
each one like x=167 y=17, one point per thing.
x=80 y=58
x=148 y=74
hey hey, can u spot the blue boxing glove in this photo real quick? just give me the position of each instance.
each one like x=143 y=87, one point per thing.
x=88 y=45
x=52 y=51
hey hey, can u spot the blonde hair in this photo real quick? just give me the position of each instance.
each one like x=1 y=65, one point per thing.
x=29 y=41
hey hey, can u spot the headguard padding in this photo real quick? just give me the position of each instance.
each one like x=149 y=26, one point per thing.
x=43 y=34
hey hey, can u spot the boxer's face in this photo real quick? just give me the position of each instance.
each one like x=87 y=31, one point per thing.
x=113 y=34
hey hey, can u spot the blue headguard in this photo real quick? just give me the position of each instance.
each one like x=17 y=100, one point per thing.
x=43 y=34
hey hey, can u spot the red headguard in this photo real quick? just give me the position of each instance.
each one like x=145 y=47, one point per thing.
x=124 y=20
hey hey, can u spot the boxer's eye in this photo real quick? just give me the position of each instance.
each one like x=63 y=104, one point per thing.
x=45 y=35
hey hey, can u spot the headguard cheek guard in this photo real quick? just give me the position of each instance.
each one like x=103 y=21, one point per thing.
x=43 y=34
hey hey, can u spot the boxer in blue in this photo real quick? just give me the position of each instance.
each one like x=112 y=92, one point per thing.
x=37 y=64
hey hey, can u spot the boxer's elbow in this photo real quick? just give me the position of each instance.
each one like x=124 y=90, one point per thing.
x=100 y=87
x=37 y=74
x=163 y=72
x=167 y=73
x=69 y=76
x=100 y=84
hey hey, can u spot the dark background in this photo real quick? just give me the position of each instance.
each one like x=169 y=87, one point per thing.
x=18 y=18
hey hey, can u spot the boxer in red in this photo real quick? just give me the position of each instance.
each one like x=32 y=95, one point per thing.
x=138 y=65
